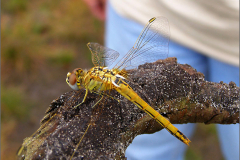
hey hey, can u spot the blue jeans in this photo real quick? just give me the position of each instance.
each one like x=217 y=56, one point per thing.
x=120 y=35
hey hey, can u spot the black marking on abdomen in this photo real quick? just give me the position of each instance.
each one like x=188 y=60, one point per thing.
x=149 y=113
x=171 y=132
x=176 y=135
x=179 y=137
x=138 y=104
x=182 y=134
x=159 y=122
x=129 y=96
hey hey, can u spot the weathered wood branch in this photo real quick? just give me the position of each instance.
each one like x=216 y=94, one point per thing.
x=177 y=91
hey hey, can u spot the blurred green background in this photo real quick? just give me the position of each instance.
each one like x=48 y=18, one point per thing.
x=41 y=42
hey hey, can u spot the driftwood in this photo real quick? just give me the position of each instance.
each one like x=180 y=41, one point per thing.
x=177 y=91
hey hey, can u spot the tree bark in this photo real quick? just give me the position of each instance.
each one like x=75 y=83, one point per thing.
x=177 y=91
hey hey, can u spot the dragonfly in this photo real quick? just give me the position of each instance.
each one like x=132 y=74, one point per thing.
x=101 y=78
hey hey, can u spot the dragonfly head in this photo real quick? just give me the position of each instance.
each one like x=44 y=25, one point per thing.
x=74 y=78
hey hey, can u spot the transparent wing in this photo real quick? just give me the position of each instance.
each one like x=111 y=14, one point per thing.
x=152 y=44
x=102 y=56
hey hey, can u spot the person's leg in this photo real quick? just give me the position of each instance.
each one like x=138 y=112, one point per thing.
x=159 y=145
x=228 y=134
x=121 y=34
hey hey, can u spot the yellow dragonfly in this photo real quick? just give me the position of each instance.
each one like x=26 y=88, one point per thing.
x=100 y=78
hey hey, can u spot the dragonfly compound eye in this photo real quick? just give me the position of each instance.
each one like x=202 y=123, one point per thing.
x=72 y=81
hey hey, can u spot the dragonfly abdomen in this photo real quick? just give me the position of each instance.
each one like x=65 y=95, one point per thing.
x=125 y=90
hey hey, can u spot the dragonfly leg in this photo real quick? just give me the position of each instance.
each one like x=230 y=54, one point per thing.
x=27 y=143
x=97 y=102
x=101 y=93
x=80 y=140
x=82 y=100
x=114 y=98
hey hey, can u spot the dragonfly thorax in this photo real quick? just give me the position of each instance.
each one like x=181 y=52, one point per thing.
x=102 y=79
x=96 y=79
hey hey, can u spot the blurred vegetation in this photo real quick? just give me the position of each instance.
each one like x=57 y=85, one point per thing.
x=204 y=144
x=41 y=42
x=13 y=105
